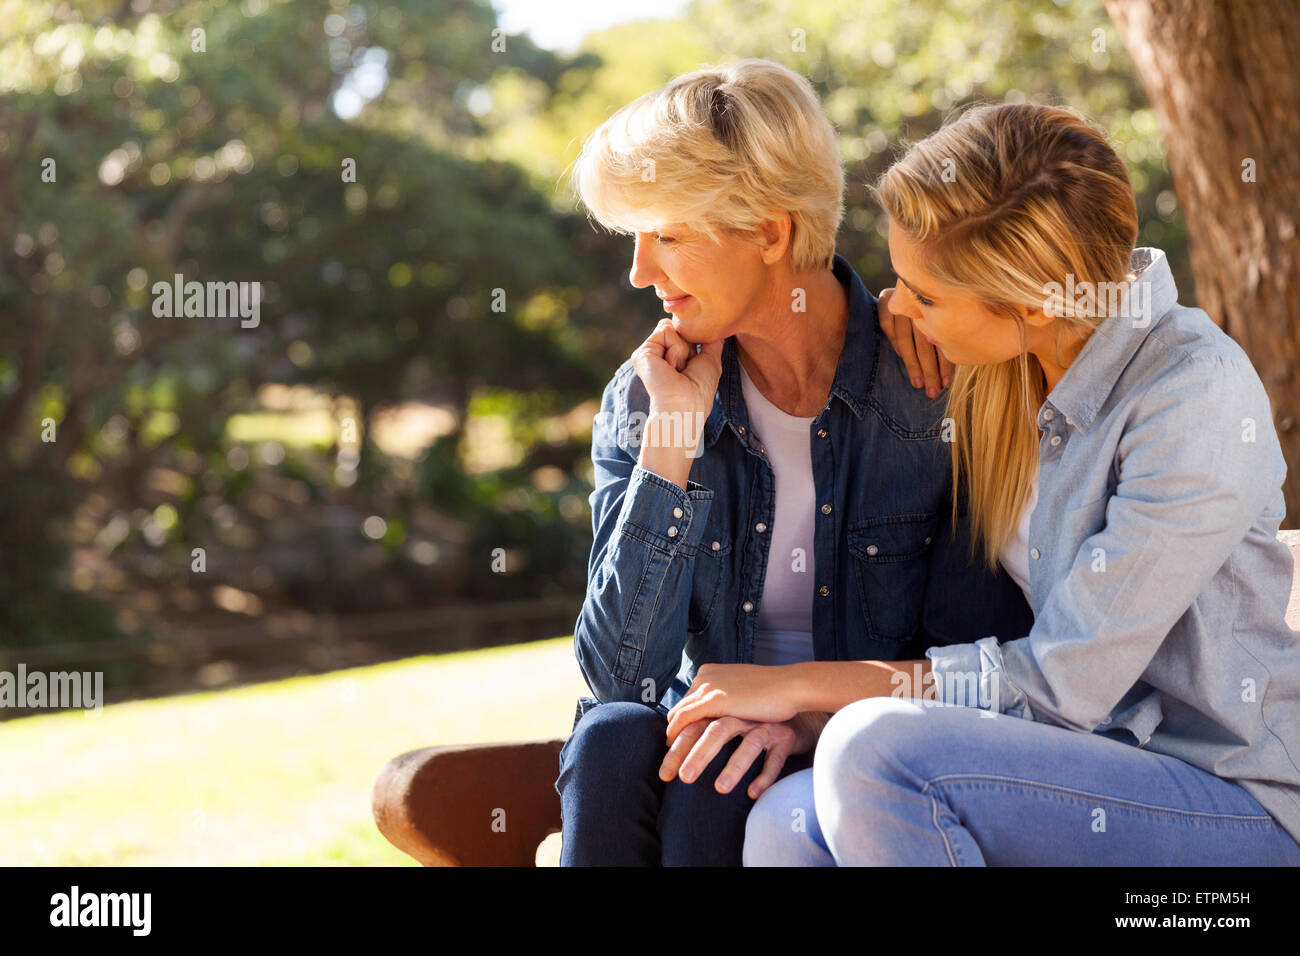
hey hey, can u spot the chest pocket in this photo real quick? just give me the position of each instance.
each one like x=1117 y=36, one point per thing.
x=710 y=559
x=891 y=556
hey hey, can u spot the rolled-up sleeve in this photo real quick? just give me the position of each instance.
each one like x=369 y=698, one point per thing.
x=973 y=675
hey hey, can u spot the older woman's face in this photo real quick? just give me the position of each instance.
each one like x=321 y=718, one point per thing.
x=707 y=287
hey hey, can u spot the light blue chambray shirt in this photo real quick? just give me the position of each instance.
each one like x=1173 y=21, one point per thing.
x=1158 y=584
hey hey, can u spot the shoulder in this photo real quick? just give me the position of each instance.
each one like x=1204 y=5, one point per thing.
x=905 y=410
x=1197 y=398
x=1187 y=356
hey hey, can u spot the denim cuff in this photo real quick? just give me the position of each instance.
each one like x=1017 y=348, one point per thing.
x=663 y=514
x=973 y=675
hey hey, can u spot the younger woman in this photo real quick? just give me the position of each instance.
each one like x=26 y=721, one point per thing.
x=1120 y=459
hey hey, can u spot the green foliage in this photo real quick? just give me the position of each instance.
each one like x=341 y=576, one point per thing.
x=408 y=280
x=453 y=269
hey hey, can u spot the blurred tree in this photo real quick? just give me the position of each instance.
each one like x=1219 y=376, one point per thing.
x=1223 y=80
x=335 y=153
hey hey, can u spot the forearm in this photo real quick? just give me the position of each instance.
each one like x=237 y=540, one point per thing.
x=828 y=686
x=668 y=445
x=632 y=628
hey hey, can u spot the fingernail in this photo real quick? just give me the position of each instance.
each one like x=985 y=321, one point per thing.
x=687 y=776
x=932 y=392
x=947 y=380
x=916 y=382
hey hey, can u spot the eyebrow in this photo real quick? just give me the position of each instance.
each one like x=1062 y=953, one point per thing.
x=915 y=290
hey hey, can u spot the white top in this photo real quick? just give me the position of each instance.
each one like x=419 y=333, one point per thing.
x=785 y=611
x=1015 y=557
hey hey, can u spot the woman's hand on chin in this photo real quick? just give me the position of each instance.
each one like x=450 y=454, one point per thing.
x=748 y=691
x=676 y=377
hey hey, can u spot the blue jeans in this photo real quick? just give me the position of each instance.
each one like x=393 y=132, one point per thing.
x=615 y=811
x=898 y=782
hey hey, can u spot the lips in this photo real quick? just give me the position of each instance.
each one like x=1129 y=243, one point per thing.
x=674 y=302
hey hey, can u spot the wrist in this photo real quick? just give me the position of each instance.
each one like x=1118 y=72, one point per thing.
x=802 y=686
x=662 y=462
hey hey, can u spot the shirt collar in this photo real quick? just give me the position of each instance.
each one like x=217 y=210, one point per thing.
x=1091 y=377
x=853 y=372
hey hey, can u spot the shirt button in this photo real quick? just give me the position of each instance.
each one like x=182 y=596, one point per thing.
x=672 y=532
x=826 y=509
x=1047 y=414
x=717 y=546
x=748 y=606
x=1069 y=420
x=763 y=449
x=927 y=540
x=677 y=512
x=821 y=433
x=741 y=429
x=823 y=590
x=1105 y=720
x=1056 y=440
x=1033 y=553
x=760 y=527
x=872 y=549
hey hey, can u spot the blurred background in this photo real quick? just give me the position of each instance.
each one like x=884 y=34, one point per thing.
x=394 y=463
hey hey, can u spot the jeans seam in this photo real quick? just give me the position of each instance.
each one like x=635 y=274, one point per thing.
x=953 y=854
x=1263 y=820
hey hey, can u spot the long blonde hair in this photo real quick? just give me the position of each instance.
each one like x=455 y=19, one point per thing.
x=1005 y=203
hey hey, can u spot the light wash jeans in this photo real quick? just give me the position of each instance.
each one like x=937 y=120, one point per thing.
x=899 y=782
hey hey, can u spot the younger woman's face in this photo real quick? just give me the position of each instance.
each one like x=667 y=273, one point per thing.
x=963 y=328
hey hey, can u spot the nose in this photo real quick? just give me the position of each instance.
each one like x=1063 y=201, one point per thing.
x=900 y=303
x=644 y=269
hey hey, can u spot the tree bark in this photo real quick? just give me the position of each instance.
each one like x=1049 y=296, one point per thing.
x=1223 y=77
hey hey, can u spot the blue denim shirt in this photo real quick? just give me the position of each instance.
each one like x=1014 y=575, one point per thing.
x=1159 y=585
x=675 y=577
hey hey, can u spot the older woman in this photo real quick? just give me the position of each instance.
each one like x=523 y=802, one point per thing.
x=769 y=488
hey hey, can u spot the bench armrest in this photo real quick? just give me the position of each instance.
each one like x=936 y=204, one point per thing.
x=476 y=805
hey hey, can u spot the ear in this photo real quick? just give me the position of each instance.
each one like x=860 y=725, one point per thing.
x=1033 y=315
x=774 y=237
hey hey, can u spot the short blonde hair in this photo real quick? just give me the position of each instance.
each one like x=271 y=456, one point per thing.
x=721 y=148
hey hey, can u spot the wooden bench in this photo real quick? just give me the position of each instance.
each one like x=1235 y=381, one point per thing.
x=439 y=804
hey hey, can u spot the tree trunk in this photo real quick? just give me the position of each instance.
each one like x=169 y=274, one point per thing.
x=1224 y=79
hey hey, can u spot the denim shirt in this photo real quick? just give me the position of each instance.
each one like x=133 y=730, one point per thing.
x=675 y=576
x=1159 y=585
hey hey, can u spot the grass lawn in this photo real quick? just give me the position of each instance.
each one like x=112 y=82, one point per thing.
x=272 y=774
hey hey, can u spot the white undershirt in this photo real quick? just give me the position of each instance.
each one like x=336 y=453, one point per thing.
x=1015 y=557
x=785 y=612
